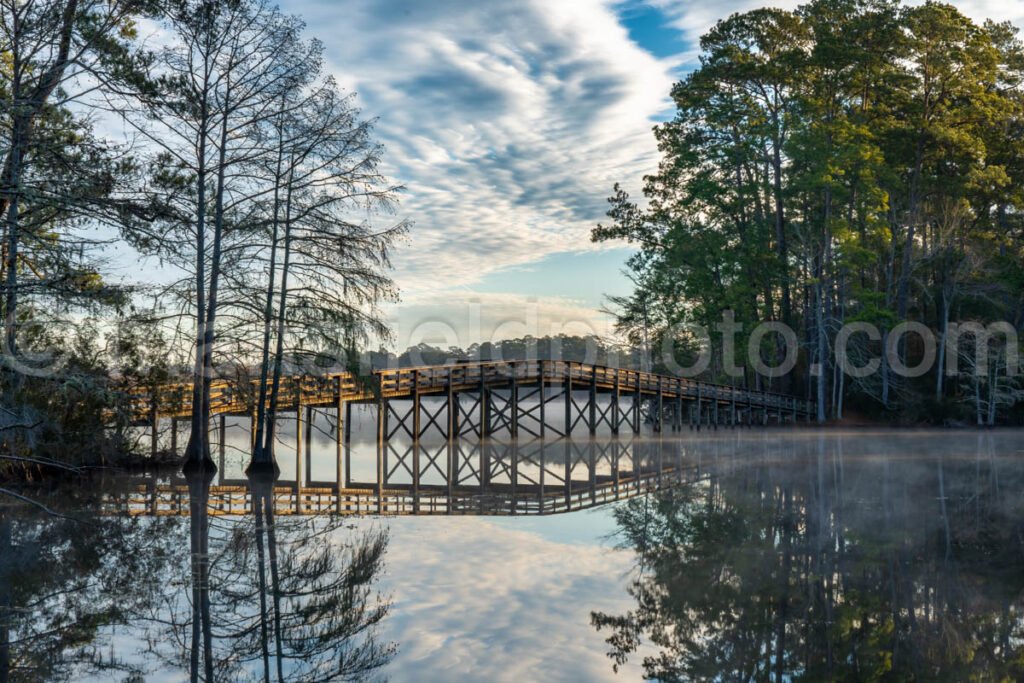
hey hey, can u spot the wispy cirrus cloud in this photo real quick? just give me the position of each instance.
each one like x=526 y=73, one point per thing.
x=508 y=121
x=517 y=607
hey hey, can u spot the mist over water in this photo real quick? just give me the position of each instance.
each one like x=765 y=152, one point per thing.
x=861 y=554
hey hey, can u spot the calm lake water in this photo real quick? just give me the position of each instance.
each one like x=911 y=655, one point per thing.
x=780 y=554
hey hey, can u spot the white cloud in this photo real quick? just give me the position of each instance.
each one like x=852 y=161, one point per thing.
x=516 y=607
x=508 y=121
x=453 y=318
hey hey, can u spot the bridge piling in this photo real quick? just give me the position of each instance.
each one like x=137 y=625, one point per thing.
x=659 y=408
x=513 y=400
x=592 y=400
x=700 y=408
x=567 y=475
x=616 y=398
x=299 y=476
x=636 y=407
x=542 y=397
x=339 y=449
x=221 y=446
x=485 y=410
x=310 y=415
x=417 y=430
x=567 y=389
x=452 y=424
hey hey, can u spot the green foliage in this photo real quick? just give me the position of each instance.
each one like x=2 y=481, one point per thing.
x=853 y=160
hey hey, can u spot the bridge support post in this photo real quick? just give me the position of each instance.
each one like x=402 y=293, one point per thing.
x=616 y=454
x=636 y=407
x=485 y=465
x=732 y=407
x=348 y=422
x=541 y=396
x=659 y=408
x=567 y=390
x=416 y=427
x=716 y=410
x=416 y=476
x=222 y=433
x=592 y=469
x=453 y=411
x=154 y=419
x=485 y=407
x=616 y=397
x=540 y=479
x=450 y=471
x=381 y=407
x=309 y=444
x=339 y=446
x=513 y=401
x=592 y=417
x=567 y=451
x=299 y=460
x=514 y=476
x=679 y=405
x=700 y=407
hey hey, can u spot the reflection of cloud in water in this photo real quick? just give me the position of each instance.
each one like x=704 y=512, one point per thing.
x=490 y=600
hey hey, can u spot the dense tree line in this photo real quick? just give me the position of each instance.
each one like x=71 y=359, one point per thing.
x=585 y=349
x=243 y=171
x=850 y=161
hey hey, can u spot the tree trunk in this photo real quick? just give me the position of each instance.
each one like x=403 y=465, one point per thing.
x=197 y=451
x=282 y=309
x=940 y=366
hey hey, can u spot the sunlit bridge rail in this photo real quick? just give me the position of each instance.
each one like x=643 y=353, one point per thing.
x=531 y=397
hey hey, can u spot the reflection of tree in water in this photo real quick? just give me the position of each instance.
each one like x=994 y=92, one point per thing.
x=288 y=599
x=830 y=569
x=63 y=580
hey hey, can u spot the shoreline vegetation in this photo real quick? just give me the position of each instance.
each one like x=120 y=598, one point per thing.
x=850 y=162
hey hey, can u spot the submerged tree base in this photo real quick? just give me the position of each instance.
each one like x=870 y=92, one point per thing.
x=263 y=471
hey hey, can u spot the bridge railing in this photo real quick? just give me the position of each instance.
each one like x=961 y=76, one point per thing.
x=228 y=396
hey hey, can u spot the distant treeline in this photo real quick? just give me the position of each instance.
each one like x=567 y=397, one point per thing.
x=586 y=349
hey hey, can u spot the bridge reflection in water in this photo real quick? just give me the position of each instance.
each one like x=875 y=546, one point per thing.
x=458 y=477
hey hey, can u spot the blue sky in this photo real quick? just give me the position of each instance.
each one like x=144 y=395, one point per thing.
x=508 y=121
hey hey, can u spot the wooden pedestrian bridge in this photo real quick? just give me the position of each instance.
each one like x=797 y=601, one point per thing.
x=517 y=398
